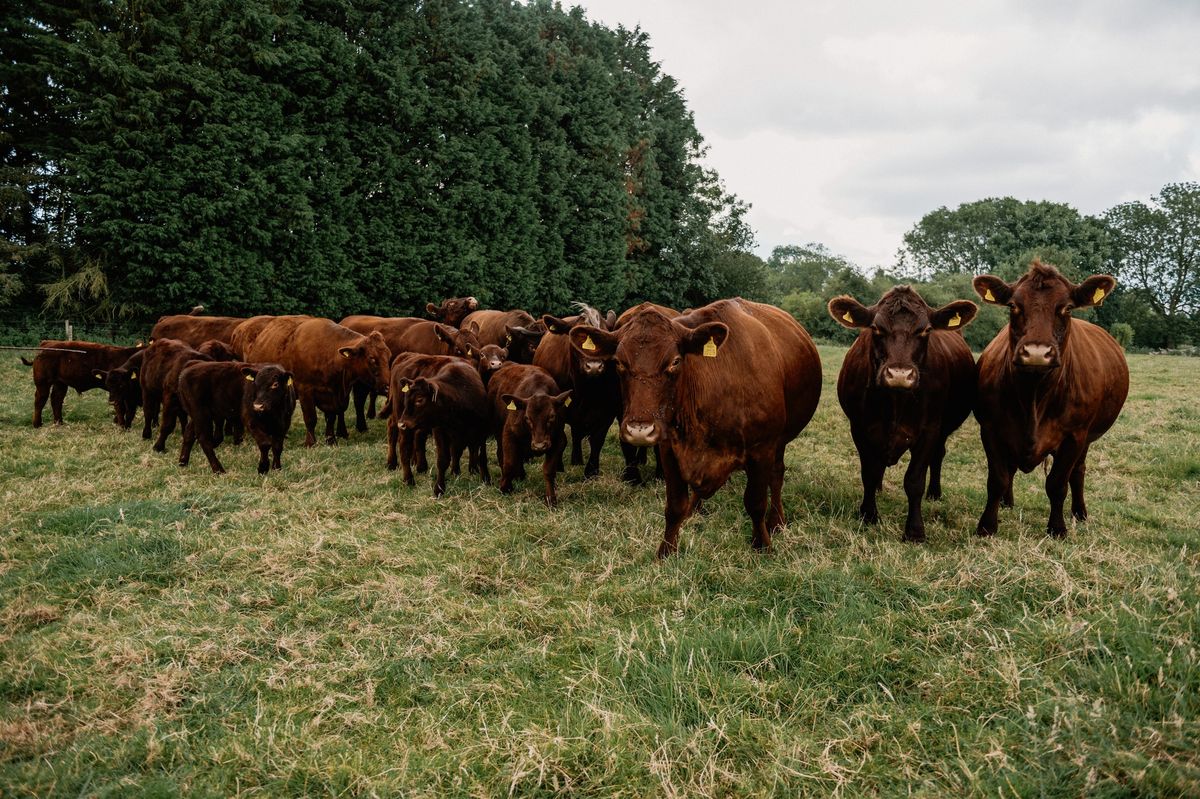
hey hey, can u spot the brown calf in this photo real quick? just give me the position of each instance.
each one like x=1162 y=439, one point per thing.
x=516 y=331
x=724 y=387
x=1049 y=386
x=528 y=414
x=906 y=384
x=54 y=372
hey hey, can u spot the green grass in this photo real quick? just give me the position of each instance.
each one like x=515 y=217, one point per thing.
x=326 y=631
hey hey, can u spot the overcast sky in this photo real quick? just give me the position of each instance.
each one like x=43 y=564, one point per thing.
x=845 y=121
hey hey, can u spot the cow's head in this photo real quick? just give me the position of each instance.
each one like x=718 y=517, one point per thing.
x=899 y=326
x=1040 y=305
x=368 y=361
x=217 y=350
x=124 y=391
x=586 y=364
x=650 y=352
x=542 y=414
x=488 y=359
x=453 y=311
x=522 y=341
x=417 y=402
x=270 y=390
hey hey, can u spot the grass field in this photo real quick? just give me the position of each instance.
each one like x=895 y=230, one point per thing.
x=325 y=631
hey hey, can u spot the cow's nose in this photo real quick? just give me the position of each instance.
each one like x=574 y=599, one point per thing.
x=539 y=446
x=1035 y=354
x=642 y=435
x=900 y=376
x=593 y=367
x=258 y=406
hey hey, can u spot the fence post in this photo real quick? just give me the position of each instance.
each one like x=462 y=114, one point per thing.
x=70 y=331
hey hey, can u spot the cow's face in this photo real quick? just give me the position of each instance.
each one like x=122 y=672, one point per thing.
x=899 y=325
x=543 y=415
x=417 y=402
x=522 y=341
x=587 y=365
x=271 y=390
x=368 y=361
x=649 y=352
x=489 y=359
x=1040 y=306
x=453 y=311
x=124 y=391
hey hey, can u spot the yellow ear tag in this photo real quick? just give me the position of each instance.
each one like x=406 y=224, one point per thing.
x=508 y=339
x=567 y=404
x=588 y=344
x=133 y=375
x=404 y=389
x=289 y=381
x=345 y=355
x=512 y=406
x=249 y=378
x=955 y=321
x=848 y=317
x=710 y=349
x=987 y=295
x=469 y=353
x=1098 y=296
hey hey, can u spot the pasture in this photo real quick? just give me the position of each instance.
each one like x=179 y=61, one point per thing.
x=327 y=631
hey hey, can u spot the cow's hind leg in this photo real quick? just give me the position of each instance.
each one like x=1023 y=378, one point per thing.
x=331 y=422
x=57 y=392
x=775 y=517
x=360 y=400
x=1078 y=505
x=41 y=393
x=754 y=500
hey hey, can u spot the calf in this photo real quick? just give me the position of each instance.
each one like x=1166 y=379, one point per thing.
x=528 y=414
x=515 y=330
x=124 y=391
x=55 y=370
x=906 y=384
x=724 y=387
x=444 y=396
x=162 y=362
x=1049 y=386
x=326 y=360
x=262 y=396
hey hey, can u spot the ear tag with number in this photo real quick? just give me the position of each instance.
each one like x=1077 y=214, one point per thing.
x=404 y=389
x=512 y=406
x=710 y=349
x=955 y=321
x=1098 y=297
x=588 y=344
x=848 y=317
x=987 y=295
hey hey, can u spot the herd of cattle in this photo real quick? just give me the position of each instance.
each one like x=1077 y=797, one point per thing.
x=721 y=388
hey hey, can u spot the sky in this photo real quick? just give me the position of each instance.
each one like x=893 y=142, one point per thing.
x=845 y=122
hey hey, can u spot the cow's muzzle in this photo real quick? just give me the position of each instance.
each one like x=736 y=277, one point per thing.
x=640 y=434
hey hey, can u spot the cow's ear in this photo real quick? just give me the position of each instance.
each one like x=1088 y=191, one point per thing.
x=849 y=312
x=99 y=375
x=431 y=309
x=953 y=315
x=249 y=372
x=404 y=384
x=610 y=319
x=512 y=402
x=992 y=289
x=592 y=342
x=473 y=327
x=705 y=339
x=1093 y=291
x=444 y=333
x=133 y=374
x=555 y=325
x=503 y=353
x=531 y=334
x=563 y=400
x=346 y=352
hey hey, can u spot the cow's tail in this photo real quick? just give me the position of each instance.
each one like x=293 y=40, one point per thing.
x=27 y=363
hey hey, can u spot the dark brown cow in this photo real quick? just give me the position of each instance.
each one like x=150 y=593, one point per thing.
x=195 y=330
x=54 y=372
x=162 y=362
x=635 y=457
x=261 y=395
x=528 y=415
x=724 y=387
x=488 y=359
x=448 y=399
x=325 y=359
x=516 y=331
x=1049 y=385
x=452 y=311
x=124 y=392
x=906 y=384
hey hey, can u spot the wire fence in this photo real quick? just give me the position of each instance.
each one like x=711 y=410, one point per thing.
x=27 y=331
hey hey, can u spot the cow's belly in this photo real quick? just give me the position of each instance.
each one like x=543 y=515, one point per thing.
x=706 y=469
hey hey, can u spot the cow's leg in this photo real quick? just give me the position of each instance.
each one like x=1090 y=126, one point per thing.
x=1066 y=457
x=914 y=489
x=871 y=468
x=480 y=450
x=263 y=463
x=276 y=453
x=508 y=457
x=41 y=393
x=206 y=444
x=632 y=474
x=935 y=471
x=393 y=437
x=170 y=415
x=359 y=393
x=236 y=428
x=308 y=409
x=407 y=444
x=331 y=420
x=371 y=407
x=422 y=437
x=677 y=503
x=456 y=451
x=658 y=469
x=1078 y=505
x=576 y=446
x=441 y=441
x=754 y=500
x=150 y=404
x=999 y=484
x=342 y=432
x=595 y=443
x=217 y=426
x=57 y=392
x=189 y=438
x=553 y=457
x=775 y=517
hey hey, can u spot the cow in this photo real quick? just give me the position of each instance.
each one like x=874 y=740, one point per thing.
x=162 y=362
x=244 y=334
x=194 y=330
x=1049 y=386
x=325 y=360
x=515 y=330
x=452 y=311
x=124 y=391
x=906 y=384
x=528 y=416
x=262 y=396
x=55 y=371
x=488 y=359
x=724 y=387
x=444 y=395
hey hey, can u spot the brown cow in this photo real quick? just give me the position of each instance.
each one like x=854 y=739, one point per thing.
x=325 y=359
x=528 y=415
x=244 y=334
x=516 y=330
x=262 y=396
x=55 y=371
x=724 y=387
x=195 y=330
x=448 y=399
x=906 y=384
x=124 y=393
x=1049 y=385
x=452 y=311
x=162 y=362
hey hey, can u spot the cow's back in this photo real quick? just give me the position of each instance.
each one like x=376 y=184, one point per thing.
x=195 y=330
x=392 y=328
x=492 y=324
x=305 y=345
x=248 y=331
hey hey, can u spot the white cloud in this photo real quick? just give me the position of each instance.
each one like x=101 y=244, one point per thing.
x=844 y=122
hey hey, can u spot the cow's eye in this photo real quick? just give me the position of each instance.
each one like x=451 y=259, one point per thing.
x=676 y=362
x=275 y=385
x=1066 y=310
x=620 y=367
x=924 y=332
x=1016 y=309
